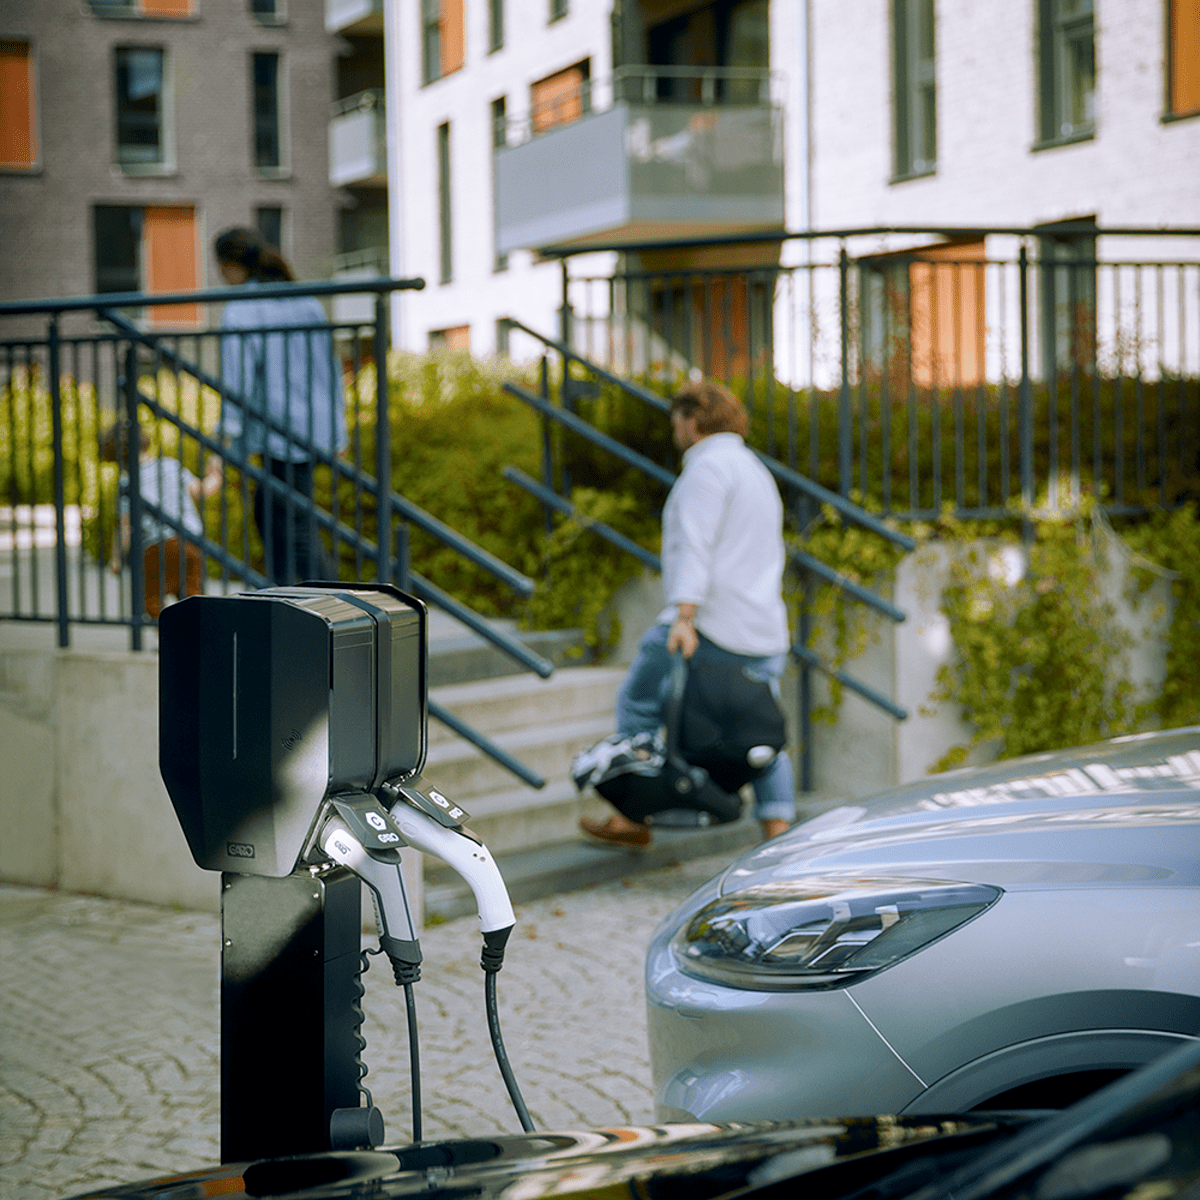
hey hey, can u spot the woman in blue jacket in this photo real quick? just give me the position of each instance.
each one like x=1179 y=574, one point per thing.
x=283 y=399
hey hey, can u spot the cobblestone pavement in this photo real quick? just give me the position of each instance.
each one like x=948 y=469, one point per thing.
x=109 y=1036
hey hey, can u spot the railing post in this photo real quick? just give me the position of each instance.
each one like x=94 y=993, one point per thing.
x=403 y=574
x=383 y=443
x=805 y=697
x=547 y=446
x=62 y=616
x=133 y=475
x=1025 y=402
x=845 y=433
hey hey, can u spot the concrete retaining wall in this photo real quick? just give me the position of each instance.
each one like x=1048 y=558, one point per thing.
x=84 y=809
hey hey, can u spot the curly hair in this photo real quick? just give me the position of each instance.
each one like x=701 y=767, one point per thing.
x=715 y=408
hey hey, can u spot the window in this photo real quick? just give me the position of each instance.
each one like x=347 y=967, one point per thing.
x=456 y=339
x=142 y=8
x=504 y=337
x=560 y=98
x=499 y=121
x=141 y=104
x=1183 y=58
x=268 y=153
x=268 y=220
x=445 y=239
x=151 y=249
x=495 y=25
x=1067 y=70
x=268 y=12
x=558 y=9
x=923 y=316
x=915 y=94
x=1068 y=297
x=442 y=39
x=18 y=107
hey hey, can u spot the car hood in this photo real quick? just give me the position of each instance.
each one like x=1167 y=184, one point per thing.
x=702 y=1159
x=1114 y=812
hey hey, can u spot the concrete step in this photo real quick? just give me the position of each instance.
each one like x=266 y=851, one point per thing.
x=459 y=655
x=465 y=773
x=496 y=705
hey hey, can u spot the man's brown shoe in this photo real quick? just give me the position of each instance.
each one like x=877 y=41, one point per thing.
x=637 y=838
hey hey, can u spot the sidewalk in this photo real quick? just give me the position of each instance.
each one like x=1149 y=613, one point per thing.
x=109 y=1036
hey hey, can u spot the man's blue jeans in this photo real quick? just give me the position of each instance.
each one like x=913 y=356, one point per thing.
x=643 y=694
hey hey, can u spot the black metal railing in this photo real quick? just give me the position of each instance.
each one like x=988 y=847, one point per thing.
x=549 y=493
x=920 y=369
x=77 y=410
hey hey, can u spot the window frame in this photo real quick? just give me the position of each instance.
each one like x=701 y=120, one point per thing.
x=165 y=162
x=559 y=9
x=1057 y=32
x=495 y=25
x=445 y=205
x=281 y=166
x=914 y=89
x=498 y=116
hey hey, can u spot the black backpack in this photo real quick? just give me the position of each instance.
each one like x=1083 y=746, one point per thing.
x=722 y=729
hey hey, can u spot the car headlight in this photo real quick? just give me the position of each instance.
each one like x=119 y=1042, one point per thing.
x=821 y=932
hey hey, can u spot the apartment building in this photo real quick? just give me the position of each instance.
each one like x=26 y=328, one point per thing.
x=133 y=131
x=527 y=126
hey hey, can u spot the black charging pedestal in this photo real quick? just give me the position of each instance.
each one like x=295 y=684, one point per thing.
x=272 y=705
x=290 y=1011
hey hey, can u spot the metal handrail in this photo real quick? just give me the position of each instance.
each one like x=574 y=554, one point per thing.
x=661 y=474
x=411 y=512
x=607 y=532
x=784 y=474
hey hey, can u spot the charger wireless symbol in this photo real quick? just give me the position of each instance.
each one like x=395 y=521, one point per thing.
x=292 y=733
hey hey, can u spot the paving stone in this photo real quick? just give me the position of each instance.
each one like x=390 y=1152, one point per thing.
x=110 y=1038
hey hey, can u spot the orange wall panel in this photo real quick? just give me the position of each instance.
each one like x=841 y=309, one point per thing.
x=18 y=115
x=453 y=37
x=557 y=99
x=169 y=245
x=1185 y=56
x=167 y=8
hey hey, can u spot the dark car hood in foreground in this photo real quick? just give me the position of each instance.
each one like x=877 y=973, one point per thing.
x=1138 y=1139
x=679 y=1160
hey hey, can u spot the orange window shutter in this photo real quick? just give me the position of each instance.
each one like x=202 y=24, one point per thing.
x=557 y=99
x=167 y=8
x=169 y=246
x=453 y=37
x=18 y=128
x=1185 y=56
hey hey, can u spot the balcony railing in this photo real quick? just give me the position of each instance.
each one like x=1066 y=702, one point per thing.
x=354 y=16
x=653 y=152
x=358 y=141
x=357 y=307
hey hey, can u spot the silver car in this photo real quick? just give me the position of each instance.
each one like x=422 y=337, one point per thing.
x=1012 y=936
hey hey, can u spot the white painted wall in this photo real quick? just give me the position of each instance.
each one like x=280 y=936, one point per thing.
x=1137 y=170
x=478 y=295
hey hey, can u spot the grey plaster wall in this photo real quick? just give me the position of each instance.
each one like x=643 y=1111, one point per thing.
x=46 y=213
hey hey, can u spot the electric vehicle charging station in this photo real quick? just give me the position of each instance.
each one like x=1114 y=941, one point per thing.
x=292 y=734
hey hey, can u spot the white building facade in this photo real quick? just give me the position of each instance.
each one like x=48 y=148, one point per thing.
x=519 y=126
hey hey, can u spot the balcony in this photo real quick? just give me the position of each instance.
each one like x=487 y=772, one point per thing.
x=673 y=154
x=360 y=264
x=358 y=141
x=354 y=16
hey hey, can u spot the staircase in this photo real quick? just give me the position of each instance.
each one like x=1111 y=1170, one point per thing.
x=533 y=833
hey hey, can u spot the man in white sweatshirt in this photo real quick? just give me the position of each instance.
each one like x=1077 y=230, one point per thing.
x=722 y=567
